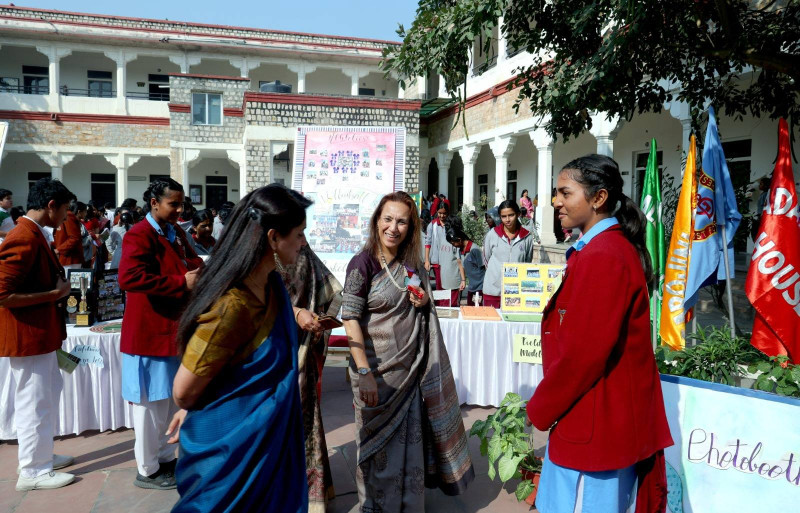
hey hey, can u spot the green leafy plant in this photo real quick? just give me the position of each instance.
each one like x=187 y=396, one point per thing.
x=777 y=375
x=715 y=358
x=474 y=227
x=505 y=441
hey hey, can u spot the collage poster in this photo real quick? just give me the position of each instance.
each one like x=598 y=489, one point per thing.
x=528 y=287
x=345 y=173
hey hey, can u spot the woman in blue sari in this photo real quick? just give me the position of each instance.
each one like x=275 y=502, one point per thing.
x=241 y=427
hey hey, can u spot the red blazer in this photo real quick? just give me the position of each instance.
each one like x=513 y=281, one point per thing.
x=151 y=271
x=68 y=241
x=601 y=392
x=27 y=264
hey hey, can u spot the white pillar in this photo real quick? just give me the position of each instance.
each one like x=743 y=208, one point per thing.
x=605 y=130
x=681 y=112
x=54 y=55
x=501 y=148
x=302 y=70
x=442 y=88
x=57 y=173
x=544 y=211
x=502 y=44
x=469 y=155
x=355 y=75
x=443 y=160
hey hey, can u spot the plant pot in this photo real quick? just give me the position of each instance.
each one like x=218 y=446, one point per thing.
x=534 y=478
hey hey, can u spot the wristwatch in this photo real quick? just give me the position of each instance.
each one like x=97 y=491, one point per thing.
x=363 y=371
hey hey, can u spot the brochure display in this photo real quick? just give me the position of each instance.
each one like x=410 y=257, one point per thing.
x=527 y=288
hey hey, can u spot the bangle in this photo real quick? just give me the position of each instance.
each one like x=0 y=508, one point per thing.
x=299 y=310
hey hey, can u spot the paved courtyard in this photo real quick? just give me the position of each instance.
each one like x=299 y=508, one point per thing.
x=105 y=470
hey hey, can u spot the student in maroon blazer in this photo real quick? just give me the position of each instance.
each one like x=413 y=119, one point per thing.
x=32 y=284
x=601 y=393
x=157 y=270
x=68 y=241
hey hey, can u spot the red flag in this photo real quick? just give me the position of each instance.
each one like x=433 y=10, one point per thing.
x=773 y=281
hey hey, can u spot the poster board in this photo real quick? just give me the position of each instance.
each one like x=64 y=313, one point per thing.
x=345 y=171
x=741 y=445
x=528 y=287
x=110 y=298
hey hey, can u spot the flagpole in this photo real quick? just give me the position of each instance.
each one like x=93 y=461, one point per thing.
x=729 y=293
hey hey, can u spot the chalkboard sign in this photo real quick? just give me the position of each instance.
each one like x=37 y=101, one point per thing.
x=110 y=298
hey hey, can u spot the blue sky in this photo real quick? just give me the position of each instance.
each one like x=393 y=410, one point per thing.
x=374 y=19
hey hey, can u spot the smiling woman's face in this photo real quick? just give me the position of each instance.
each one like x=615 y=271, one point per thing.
x=393 y=224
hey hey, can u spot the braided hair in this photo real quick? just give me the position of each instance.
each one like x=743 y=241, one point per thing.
x=597 y=172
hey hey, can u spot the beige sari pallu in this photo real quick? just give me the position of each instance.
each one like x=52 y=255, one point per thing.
x=414 y=438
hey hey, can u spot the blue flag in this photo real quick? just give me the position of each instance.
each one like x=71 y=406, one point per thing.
x=715 y=207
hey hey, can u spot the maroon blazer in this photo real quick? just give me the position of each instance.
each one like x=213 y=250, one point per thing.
x=601 y=392
x=27 y=264
x=68 y=241
x=151 y=272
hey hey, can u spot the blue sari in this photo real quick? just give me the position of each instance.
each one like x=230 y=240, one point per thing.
x=243 y=449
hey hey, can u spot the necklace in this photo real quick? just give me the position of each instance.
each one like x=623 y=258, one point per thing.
x=388 y=272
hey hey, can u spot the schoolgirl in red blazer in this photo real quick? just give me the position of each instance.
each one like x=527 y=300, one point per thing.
x=157 y=270
x=601 y=393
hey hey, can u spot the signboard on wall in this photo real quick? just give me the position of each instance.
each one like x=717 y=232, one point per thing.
x=742 y=445
x=345 y=171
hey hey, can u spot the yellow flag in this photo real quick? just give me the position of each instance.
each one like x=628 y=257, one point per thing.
x=673 y=318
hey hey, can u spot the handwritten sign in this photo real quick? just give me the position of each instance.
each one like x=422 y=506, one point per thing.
x=89 y=355
x=741 y=444
x=527 y=349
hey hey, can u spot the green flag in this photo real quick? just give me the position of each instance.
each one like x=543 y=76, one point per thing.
x=654 y=234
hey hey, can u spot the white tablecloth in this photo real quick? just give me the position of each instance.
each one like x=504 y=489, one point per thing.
x=92 y=395
x=481 y=357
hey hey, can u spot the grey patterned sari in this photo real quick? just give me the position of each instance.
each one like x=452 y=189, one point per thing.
x=414 y=437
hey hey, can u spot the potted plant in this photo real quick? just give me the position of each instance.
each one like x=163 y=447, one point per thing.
x=505 y=442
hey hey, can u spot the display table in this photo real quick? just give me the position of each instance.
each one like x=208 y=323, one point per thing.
x=482 y=361
x=480 y=356
x=92 y=394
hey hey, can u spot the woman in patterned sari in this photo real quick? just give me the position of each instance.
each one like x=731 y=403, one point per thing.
x=313 y=291
x=242 y=438
x=407 y=411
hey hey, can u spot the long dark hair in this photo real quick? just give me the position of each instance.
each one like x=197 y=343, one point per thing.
x=241 y=247
x=597 y=172
x=410 y=249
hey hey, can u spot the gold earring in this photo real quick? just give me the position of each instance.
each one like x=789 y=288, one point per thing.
x=278 y=263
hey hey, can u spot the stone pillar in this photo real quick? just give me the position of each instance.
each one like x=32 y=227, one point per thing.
x=501 y=148
x=443 y=160
x=469 y=155
x=544 y=211
x=126 y=161
x=605 y=130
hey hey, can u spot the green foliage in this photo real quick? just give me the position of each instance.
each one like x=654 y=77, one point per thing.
x=778 y=376
x=506 y=443
x=716 y=358
x=617 y=57
x=474 y=227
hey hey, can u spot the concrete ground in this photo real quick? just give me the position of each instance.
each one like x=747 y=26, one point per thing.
x=105 y=469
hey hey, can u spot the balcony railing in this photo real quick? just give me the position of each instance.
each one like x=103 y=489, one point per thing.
x=21 y=89
x=156 y=97
x=88 y=93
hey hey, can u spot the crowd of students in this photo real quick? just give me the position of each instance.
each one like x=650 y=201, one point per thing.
x=211 y=356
